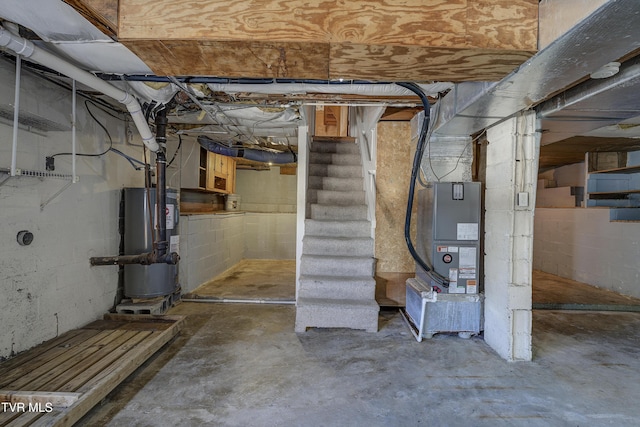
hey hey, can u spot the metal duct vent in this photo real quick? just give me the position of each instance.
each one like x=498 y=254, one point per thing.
x=32 y=121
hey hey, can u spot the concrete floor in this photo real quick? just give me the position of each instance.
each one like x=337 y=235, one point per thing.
x=242 y=365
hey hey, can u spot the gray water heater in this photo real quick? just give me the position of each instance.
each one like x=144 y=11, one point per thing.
x=148 y=281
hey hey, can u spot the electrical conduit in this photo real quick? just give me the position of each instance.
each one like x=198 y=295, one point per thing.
x=26 y=49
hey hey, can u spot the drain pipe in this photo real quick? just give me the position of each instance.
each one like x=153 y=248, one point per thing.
x=160 y=254
x=26 y=49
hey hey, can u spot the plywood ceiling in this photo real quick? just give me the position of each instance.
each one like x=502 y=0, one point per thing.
x=379 y=40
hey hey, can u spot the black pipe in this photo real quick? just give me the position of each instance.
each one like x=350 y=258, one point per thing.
x=439 y=279
x=161 y=184
x=146 y=258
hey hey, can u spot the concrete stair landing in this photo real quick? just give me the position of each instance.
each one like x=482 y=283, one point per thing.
x=337 y=285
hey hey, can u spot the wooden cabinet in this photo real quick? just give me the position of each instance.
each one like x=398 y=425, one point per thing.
x=221 y=173
x=204 y=170
x=332 y=121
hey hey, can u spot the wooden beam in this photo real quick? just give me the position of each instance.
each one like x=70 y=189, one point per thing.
x=419 y=40
x=101 y=13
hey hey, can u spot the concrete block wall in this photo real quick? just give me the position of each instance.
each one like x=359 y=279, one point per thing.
x=211 y=244
x=583 y=245
x=49 y=287
x=511 y=168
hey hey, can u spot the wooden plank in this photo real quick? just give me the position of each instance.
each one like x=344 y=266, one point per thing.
x=422 y=64
x=234 y=58
x=24 y=419
x=26 y=356
x=74 y=367
x=511 y=24
x=103 y=383
x=101 y=13
x=113 y=357
x=492 y=23
x=394 y=40
x=45 y=357
x=33 y=378
x=58 y=399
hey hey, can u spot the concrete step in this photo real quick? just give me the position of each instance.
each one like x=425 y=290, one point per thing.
x=331 y=313
x=343 y=198
x=337 y=212
x=335 y=147
x=317 y=265
x=335 y=184
x=335 y=171
x=354 y=246
x=335 y=159
x=333 y=228
x=348 y=287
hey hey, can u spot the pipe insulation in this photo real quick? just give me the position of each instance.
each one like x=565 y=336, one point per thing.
x=27 y=49
x=247 y=153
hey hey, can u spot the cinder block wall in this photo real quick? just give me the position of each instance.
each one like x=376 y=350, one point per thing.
x=583 y=245
x=49 y=287
x=265 y=228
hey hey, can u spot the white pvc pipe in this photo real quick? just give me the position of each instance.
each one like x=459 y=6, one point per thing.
x=16 y=117
x=23 y=47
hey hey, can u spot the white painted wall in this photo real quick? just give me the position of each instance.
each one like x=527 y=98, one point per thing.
x=583 y=245
x=209 y=245
x=270 y=235
x=512 y=168
x=48 y=287
x=212 y=243
x=266 y=191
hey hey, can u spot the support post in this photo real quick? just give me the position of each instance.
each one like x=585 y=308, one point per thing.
x=511 y=179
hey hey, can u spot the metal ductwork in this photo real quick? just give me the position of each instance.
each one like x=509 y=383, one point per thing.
x=592 y=105
x=247 y=153
x=608 y=34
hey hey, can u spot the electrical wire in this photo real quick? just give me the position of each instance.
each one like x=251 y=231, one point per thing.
x=424 y=131
x=177 y=150
x=130 y=159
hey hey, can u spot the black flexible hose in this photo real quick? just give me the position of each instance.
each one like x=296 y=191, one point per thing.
x=439 y=279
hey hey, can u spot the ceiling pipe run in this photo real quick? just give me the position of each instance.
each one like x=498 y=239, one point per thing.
x=27 y=49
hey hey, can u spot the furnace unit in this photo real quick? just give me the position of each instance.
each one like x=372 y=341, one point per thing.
x=448 y=298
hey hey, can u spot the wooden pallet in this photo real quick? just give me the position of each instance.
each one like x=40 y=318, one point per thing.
x=57 y=382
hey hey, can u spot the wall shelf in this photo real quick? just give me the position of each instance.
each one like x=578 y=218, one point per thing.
x=612 y=195
x=625 y=170
x=39 y=174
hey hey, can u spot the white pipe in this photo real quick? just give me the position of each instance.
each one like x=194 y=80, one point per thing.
x=27 y=49
x=16 y=117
